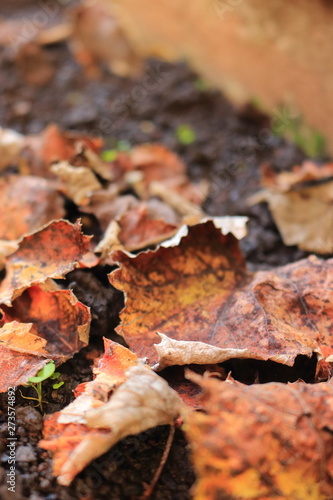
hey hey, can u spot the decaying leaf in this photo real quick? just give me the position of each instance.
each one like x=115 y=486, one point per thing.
x=123 y=400
x=51 y=252
x=297 y=205
x=300 y=174
x=26 y=204
x=208 y=308
x=53 y=145
x=158 y=164
x=80 y=182
x=270 y=441
x=39 y=327
x=146 y=223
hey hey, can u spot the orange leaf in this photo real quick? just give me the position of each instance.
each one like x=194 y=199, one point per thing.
x=271 y=441
x=125 y=398
x=39 y=327
x=208 y=308
x=26 y=204
x=51 y=252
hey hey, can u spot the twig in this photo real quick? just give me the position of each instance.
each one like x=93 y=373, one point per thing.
x=149 y=489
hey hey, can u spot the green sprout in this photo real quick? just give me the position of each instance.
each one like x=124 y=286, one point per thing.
x=47 y=372
x=185 y=134
x=111 y=154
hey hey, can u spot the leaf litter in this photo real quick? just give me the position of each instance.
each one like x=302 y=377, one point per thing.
x=190 y=301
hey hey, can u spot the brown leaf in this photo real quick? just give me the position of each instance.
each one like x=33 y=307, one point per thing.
x=39 y=327
x=79 y=182
x=96 y=421
x=26 y=204
x=51 y=252
x=143 y=225
x=208 y=308
x=271 y=441
x=158 y=164
x=297 y=205
x=307 y=172
x=53 y=145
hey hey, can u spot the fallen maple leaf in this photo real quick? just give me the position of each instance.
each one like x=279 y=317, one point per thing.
x=208 y=308
x=39 y=327
x=51 y=252
x=159 y=165
x=125 y=398
x=297 y=206
x=145 y=224
x=270 y=441
x=79 y=182
x=53 y=145
x=26 y=204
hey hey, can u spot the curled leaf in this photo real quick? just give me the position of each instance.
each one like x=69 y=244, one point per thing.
x=39 y=327
x=51 y=252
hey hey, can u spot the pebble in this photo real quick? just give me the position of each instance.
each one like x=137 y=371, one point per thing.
x=25 y=454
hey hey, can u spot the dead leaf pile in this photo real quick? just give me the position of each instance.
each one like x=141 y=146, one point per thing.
x=190 y=302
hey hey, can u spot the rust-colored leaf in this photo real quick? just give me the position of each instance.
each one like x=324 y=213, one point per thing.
x=146 y=223
x=50 y=252
x=39 y=327
x=26 y=204
x=271 y=441
x=159 y=165
x=208 y=308
x=54 y=145
x=125 y=398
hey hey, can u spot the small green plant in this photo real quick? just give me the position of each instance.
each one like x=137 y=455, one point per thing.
x=185 y=134
x=111 y=154
x=47 y=372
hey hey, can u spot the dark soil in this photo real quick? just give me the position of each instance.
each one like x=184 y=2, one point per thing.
x=230 y=145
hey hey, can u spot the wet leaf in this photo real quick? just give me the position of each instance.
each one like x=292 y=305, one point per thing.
x=270 y=441
x=39 y=327
x=51 y=252
x=125 y=398
x=208 y=308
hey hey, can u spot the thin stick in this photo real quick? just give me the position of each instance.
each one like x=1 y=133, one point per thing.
x=168 y=444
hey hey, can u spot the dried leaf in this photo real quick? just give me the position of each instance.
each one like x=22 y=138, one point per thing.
x=39 y=327
x=80 y=182
x=53 y=145
x=26 y=204
x=271 y=441
x=143 y=225
x=297 y=205
x=208 y=308
x=51 y=252
x=158 y=164
x=96 y=421
x=307 y=172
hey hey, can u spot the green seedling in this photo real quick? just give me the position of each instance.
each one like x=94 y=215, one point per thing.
x=111 y=154
x=47 y=372
x=185 y=134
